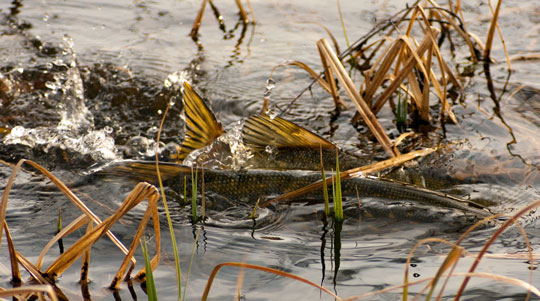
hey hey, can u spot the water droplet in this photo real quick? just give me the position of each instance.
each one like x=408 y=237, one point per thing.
x=416 y=275
x=272 y=115
x=159 y=112
x=270 y=149
x=51 y=85
x=45 y=17
x=68 y=40
x=17 y=131
x=270 y=84
x=107 y=129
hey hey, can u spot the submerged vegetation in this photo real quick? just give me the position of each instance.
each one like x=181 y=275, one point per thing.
x=405 y=63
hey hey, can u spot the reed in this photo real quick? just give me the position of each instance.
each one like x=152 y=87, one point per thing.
x=95 y=230
x=151 y=291
x=338 y=200
x=194 y=216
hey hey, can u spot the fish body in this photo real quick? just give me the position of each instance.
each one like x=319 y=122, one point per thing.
x=253 y=184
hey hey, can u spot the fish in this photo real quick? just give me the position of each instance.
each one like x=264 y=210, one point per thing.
x=283 y=157
x=250 y=185
x=264 y=142
x=274 y=143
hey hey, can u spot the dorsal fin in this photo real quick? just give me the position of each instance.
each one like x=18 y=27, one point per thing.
x=202 y=127
x=261 y=130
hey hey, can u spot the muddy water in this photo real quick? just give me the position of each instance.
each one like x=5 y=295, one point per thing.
x=87 y=82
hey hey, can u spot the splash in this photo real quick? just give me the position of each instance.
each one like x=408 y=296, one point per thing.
x=228 y=151
x=68 y=87
x=97 y=144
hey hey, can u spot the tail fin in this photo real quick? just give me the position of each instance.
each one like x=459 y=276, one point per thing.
x=202 y=127
x=143 y=170
x=261 y=130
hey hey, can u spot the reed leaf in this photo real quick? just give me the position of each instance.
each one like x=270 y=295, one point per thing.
x=358 y=101
x=338 y=200
x=150 y=283
x=30 y=289
x=194 y=217
x=264 y=269
x=351 y=173
x=324 y=187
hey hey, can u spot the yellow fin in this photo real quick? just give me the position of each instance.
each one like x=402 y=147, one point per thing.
x=260 y=131
x=202 y=127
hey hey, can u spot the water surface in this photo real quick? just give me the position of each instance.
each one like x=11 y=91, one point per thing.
x=89 y=82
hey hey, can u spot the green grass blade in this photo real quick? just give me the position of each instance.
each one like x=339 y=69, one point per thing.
x=325 y=188
x=194 y=217
x=338 y=202
x=254 y=211
x=165 y=205
x=150 y=284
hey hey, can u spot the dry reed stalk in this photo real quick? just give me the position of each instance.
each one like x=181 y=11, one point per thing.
x=15 y=272
x=80 y=247
x=403 y=73
x=74 y=225
x=464 y=34
x=85 y=261
x=491 y=31
x=243 y=14
x=30 y=290
x=380 y=75
x=508 y=223
x=494 y=20
x=331 y=82
x=351 y=173
x=355 y=96
x=264 y=269
x=197 y=22
x=308 y=69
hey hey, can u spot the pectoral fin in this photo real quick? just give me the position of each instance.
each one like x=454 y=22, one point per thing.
x=202 y=127
x=261 y=130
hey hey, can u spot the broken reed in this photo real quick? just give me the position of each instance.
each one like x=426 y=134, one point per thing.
x=96 y=228
x=399 y=62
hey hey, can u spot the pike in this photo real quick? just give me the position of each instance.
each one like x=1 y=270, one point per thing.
x=269 y=174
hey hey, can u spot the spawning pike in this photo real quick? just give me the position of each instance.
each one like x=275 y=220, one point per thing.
x=266 y=142
x=249 y=185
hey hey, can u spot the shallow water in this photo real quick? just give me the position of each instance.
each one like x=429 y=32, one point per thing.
x=89 y=81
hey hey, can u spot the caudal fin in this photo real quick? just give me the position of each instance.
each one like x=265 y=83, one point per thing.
x=202 y=127
x=261 y=130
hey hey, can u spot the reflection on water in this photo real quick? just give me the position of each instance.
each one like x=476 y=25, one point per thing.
x=85 y=82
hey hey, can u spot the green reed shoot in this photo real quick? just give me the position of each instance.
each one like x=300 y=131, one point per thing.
x=338 y=202
x=401 y=114
x=166 y=206
x=185 y=189
x=325 y=188
x=194 y=217
x=254 y=211
x=150 y=284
